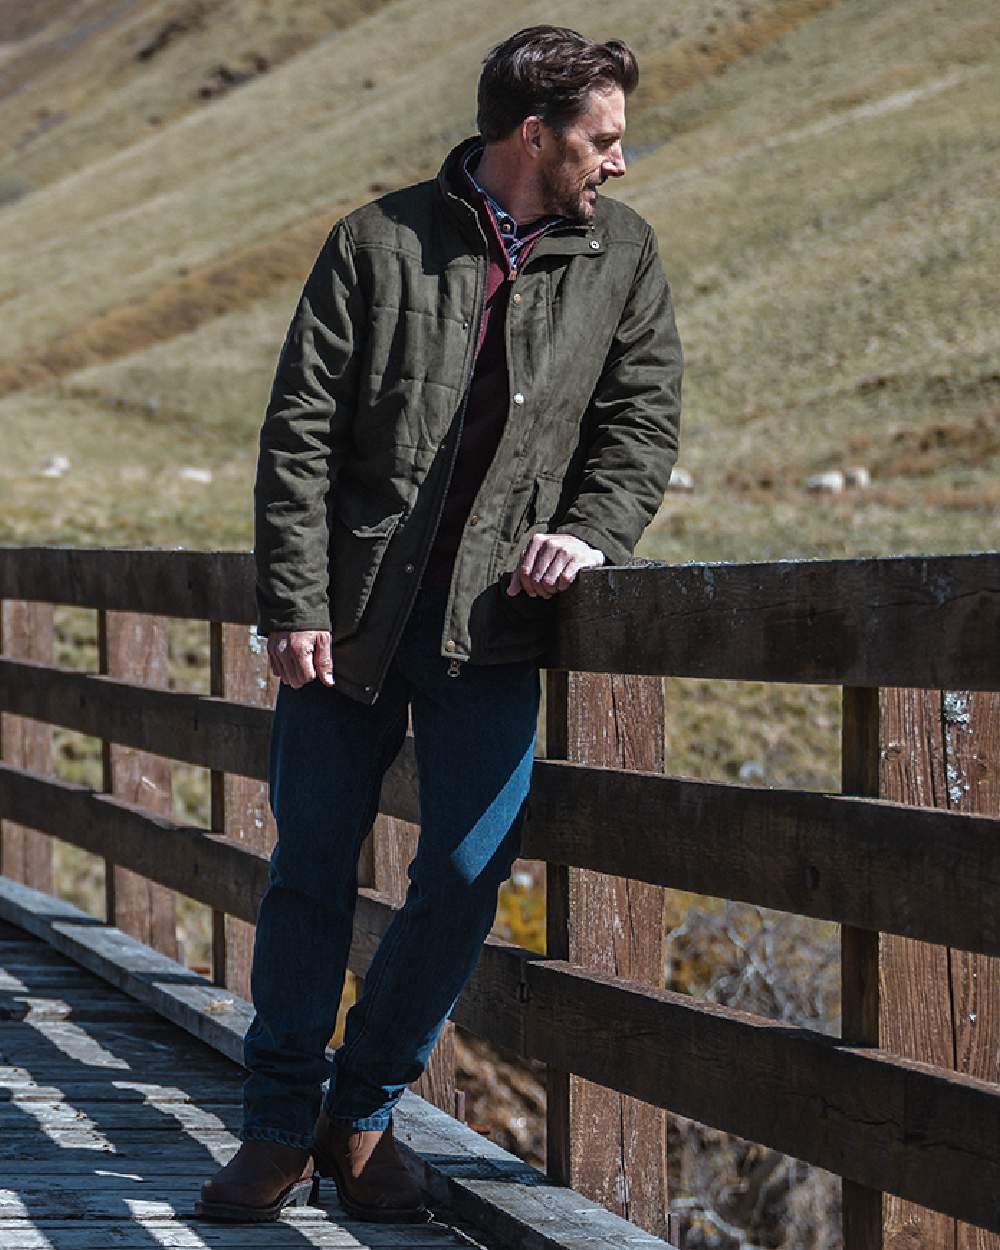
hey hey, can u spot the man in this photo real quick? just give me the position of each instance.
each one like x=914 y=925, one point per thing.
x=478 y=396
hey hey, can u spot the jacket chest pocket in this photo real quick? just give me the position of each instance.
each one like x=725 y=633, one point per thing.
x=357 y=545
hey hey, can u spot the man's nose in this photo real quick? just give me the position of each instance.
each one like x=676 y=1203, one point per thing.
x=614 y=164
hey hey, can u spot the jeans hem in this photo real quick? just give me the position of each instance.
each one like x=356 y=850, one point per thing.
x=363 y=1123
x=279 y=1135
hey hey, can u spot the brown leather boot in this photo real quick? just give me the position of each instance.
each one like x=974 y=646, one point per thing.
x=260 y=1180
x=371 y=1178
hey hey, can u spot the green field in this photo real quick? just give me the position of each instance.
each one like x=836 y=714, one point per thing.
x=824 y=178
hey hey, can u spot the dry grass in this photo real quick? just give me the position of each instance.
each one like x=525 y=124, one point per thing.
x=195 y=296
x=824 y=183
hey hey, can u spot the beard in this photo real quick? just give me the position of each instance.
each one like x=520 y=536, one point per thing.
x=564 y=195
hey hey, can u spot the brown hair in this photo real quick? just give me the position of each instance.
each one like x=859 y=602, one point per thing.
x=548 y=71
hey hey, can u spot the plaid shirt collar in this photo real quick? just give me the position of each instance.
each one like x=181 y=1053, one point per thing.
x=506 y=224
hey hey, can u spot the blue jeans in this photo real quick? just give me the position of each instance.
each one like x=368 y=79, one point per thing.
x=474 y=737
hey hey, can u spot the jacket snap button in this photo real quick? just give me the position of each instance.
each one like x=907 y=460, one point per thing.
x=516 y=297
x=594 y=244
x=518 y=398
x=473 y=520
x=450 y=645
x=408 y=568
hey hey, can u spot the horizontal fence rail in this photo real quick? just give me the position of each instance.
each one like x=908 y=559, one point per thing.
x=929 y=621
x=883 y=1122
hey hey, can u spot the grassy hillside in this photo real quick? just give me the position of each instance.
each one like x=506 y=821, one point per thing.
x=824 y=180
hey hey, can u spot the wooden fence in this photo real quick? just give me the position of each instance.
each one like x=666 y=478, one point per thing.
x=905 y=1106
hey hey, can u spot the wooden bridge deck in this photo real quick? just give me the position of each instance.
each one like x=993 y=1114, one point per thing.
x=111 y=1118
x=111 y=1115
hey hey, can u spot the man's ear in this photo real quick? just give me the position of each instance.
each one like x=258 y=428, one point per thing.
x=531 y=134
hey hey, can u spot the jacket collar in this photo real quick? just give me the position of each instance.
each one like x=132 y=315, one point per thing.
x=565 y=239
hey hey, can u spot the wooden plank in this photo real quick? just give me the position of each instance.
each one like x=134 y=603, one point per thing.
x=81 y=1008
x=922 y=872
x=134 y=646
x=197 y=729
x=940 y=748
x=210 y=868
x=195 y=585
x=859 y=949
x=23 y=1087
x=901 y=620
x=873 y=864
x=26 y=632
x=292 y=1232
x=240 y=673
x=610 y=1147
x=898 y=620
x=148 y=1116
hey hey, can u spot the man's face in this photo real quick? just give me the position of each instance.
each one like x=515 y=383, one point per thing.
x=583 y=156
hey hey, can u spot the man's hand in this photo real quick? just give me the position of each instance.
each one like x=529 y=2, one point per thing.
x=301 y=655
x=550 y=563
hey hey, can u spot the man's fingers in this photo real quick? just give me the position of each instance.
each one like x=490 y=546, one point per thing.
x=277 y=645
x=323 y=659
x=534 y=562
x=299 y=656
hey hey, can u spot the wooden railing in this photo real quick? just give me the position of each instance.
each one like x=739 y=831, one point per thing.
x=906 y=1103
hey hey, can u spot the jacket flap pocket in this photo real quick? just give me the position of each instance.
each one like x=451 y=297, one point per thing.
x=365 y=517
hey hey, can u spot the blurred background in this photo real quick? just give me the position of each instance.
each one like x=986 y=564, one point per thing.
x=824 y=179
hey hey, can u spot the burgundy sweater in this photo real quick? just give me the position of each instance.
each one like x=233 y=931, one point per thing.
x=486 y=411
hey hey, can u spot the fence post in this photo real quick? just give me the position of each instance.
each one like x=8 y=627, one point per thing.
x=239 y=672
x=26 y=633
x=601 y=1143
x=859 y=948
x=134 y=646
x=940 y=748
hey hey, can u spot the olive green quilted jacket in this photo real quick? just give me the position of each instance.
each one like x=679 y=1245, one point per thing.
x=360 y=432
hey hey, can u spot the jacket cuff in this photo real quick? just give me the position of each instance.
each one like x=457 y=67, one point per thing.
x=266 y=626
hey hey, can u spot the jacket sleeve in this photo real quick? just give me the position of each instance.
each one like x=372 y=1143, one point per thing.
x=303 y=439
x=633 y=419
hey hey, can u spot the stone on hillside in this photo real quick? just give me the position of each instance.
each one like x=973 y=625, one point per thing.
x=858 y=476
x=831 y=482
x=190 y=474
x=55 y=467
x=680 y=479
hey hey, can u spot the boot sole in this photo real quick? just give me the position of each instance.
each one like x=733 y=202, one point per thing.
x=379 y=1215
x=303 y=1193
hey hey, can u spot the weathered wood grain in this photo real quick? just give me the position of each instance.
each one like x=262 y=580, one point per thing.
x=69 y=1004
x=940 y=1005
x=901 y=620
x=208 y=867
x=862 y=1219
x=197 y=729
x=198 y=585
x=290 y=1233
x=240 y=673
x=26 y=632
x=606 y=1145
x=133 y=646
